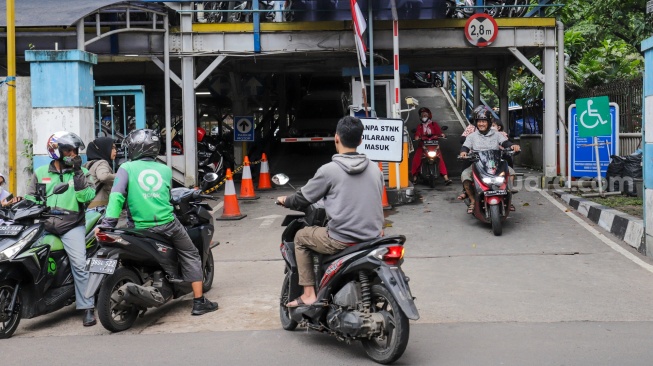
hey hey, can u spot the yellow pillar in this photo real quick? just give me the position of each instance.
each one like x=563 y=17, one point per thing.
x=11 y=96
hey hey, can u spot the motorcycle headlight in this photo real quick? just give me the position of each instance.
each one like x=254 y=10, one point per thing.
x=211 y=147
x=431 y=154
x=495 y=180
x=12 y=250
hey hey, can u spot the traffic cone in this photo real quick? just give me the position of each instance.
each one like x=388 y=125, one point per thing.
x=384 y=196
x=247 y=184
x=230 y=211
x=264 y=182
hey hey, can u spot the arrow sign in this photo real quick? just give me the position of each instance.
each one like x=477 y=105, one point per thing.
x=244 y=130
x=253 y=85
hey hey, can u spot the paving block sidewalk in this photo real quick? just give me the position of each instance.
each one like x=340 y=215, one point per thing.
x=627 y=228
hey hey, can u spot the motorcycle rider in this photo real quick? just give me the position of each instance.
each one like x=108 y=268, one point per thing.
x=485 y=138
x=4 y=194
x=101 y=153
x=426 y=128
x=66 y=167
x=351 y=186
x=145 y=185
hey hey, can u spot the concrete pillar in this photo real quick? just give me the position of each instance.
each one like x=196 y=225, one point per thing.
x=503 y=76
x=459 y=90
x=550 y=114
x=23 y=132
x=647 y=138
x=476 y=84
x=188 y=96
x=62 y=97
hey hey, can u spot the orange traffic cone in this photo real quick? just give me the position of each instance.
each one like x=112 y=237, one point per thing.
x=384 y=196
x=264 y=182
x=230 y=211
x=247 y=184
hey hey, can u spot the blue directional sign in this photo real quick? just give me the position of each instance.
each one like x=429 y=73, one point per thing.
x=582 y=159
x=244 y=128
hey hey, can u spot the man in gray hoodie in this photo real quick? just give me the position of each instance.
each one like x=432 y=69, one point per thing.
x=351 y=186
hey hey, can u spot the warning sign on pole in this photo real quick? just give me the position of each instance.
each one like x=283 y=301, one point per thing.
x=382 y=139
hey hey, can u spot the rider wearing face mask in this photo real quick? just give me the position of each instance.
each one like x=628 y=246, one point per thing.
x=427 y=127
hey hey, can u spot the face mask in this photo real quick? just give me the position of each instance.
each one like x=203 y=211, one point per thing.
x=424 y=119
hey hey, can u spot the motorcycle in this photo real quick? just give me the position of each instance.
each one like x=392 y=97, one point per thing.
x=214 y=156
x=431 y=156
x=490 y=176
x=363 y=295
x=134 y=270
x=35 y=273
x=428 y=79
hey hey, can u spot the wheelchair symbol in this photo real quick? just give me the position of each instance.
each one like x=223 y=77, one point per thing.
x=592 y=113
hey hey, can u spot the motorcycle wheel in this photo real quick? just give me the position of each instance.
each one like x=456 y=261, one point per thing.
x=433 y=174
x=120 y=319
x=437 y=83
x=209 y=273
x=8 y=322
x=284 y=314
x=495 y=218
x=391 y=345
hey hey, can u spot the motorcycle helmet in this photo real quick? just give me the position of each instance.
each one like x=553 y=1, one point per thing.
x=142 y=143
x=482 y=113
x=424 y=109
x=62 y=141
x=201 y=132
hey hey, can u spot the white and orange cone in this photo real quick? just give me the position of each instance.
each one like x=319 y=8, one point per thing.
x=384 y=196
x=247 y=184
x=264 y=182
x=230 y=211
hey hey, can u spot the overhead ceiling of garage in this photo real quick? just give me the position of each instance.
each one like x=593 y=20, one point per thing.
x=51 y=13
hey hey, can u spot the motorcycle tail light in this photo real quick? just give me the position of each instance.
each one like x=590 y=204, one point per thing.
x=394 y=255
x=104 y=237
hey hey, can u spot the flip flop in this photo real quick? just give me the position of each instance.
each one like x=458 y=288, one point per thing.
x=300 y=302
x=448 y=182
x=512 y=207
x=470 y=208
x=462 y=196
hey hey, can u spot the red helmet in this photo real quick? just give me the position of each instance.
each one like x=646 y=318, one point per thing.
x=424 y=109
x=201 y=132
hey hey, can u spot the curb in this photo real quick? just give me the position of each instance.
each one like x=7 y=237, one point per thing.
x=627 y=228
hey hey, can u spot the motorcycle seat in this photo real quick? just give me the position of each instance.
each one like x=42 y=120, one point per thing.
x=144 y=233
x=394 y=239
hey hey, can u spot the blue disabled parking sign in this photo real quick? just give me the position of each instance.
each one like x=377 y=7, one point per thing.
x=244 y=128
x=582 y=158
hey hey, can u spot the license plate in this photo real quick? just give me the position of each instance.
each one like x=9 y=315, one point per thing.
x=496 y=193
x=10 y=230
x=97 y=265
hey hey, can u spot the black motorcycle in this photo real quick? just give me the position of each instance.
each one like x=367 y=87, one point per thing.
x=35 y=273
x=136 y=269
x=363 y=295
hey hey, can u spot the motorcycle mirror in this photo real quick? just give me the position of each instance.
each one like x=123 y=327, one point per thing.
x=444 y=128
x=280 y=179
x=60 y=188
x=210 y=177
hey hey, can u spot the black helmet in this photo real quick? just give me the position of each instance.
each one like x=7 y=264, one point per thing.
x=424 y=109
x=142 y=143
x=61 y=141
x=481 y=112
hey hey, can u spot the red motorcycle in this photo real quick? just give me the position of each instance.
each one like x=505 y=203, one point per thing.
x=431 y=156
x=491 y=175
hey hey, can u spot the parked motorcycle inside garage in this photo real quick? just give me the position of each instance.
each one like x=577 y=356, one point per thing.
x=35 y=274
x=428 y=79
x=136 y=269
x=490 y=176
x=363 y=295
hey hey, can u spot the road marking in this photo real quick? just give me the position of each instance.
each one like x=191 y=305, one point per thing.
x=267 y=220
x=616 y=247
x=217 y=207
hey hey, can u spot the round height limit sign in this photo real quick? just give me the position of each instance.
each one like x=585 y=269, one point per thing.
x=481 y=30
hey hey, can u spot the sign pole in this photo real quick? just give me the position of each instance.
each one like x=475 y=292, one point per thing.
x=598 y=165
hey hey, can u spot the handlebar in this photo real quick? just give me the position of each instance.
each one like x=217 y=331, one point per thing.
x=208 y=197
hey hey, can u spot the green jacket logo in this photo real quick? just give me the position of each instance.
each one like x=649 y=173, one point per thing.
x=150 y=181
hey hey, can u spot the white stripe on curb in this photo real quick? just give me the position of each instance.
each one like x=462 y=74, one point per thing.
x=616 y=247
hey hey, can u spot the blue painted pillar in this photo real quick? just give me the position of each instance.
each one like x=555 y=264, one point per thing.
x=647 y=138
x=62 y=96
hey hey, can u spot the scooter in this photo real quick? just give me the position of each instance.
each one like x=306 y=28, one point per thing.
x=136 y=269
x=363 y=295
x=431 y=156
x=428 y=79
x=490 y=176
x=35 y=274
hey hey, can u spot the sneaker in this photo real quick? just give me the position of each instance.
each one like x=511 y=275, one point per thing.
x=203 y=305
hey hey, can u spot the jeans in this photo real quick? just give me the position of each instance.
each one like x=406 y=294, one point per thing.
x=74 y=243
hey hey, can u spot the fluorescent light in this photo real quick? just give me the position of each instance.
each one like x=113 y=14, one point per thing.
x=131 y=55
x=203 y=93
x=205 y=115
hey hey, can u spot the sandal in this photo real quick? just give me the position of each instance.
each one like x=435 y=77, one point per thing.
x=462 y=196
x=448 y=182
x=470 y=208
x=299 y=300
x=512 y=207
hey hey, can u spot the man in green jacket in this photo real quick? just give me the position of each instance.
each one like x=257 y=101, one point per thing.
x=145 y=185
x=66 y=167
